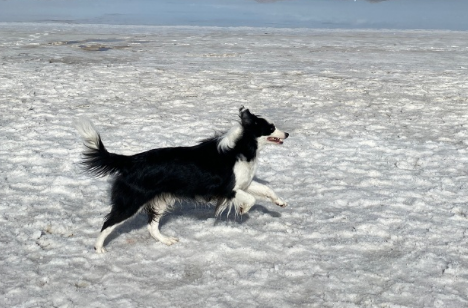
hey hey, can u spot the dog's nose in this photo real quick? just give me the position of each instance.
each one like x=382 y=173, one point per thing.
x=287 y=135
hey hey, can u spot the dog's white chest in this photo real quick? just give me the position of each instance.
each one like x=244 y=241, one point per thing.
x=244 y=172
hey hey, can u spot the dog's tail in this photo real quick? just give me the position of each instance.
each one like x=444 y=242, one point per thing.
x=96 y=159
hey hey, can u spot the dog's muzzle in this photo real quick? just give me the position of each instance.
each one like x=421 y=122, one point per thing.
x=278 y=140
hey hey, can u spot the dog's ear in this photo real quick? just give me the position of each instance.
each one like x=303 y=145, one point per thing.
x=246 y=117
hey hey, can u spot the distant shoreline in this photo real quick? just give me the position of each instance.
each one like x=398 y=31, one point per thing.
x=188 y=27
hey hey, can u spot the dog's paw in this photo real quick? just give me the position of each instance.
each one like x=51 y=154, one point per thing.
x=281 y=203
x=244 y=209
x=100 y=250
x=169 y=240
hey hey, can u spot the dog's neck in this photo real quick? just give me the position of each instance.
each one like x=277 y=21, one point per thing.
x=240 y=141
x=247 y=147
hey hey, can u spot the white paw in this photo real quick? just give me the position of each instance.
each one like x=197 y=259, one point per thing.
x=244 y=209
x=100 y=250
x=169 y=240
x=281 y=203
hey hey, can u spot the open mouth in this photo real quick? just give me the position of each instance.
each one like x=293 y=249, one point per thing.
x=275 y=140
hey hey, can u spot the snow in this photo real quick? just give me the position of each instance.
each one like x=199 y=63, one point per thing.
x=375 y=171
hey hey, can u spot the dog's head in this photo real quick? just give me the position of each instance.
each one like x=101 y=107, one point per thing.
x=265 y=131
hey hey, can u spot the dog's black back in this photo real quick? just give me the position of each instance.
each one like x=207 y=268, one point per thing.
x=185 y=172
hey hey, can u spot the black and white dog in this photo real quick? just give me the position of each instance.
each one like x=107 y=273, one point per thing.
x=218 y=170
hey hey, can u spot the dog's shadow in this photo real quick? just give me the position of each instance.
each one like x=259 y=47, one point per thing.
x=187 y=209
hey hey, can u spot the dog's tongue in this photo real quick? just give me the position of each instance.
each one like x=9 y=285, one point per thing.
x=275 y=140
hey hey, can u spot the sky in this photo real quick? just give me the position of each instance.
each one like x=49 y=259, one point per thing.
x=373 y=14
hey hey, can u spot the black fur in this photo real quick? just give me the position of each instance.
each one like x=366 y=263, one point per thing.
x=100 y=162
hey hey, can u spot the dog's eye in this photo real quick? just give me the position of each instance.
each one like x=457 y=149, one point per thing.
x=272 y=128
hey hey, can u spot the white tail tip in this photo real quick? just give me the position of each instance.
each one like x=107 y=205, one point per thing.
x=88 y=132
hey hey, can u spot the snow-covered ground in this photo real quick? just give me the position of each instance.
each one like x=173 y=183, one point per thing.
x=375 y=170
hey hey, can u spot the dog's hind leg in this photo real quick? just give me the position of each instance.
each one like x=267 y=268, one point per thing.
x=114 y=219
x=156 y=209
x=99 y=244
x=126 y=202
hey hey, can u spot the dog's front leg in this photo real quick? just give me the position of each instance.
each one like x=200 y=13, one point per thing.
x=243 y=201
x=263 y=192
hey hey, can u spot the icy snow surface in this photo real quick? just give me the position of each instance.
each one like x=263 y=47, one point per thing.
x=375 y=170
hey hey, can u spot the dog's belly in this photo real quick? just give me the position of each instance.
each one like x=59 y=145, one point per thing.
x=244 y=172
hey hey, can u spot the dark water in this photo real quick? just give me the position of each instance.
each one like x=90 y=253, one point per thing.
x=359 y=14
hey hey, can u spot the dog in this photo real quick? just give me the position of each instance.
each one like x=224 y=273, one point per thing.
x=219 y=170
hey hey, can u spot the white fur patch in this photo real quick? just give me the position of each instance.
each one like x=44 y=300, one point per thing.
x=244 y=172
x=228 y=140
x=88 y=133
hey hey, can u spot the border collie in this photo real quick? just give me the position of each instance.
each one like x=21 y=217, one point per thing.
x=218 y=170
